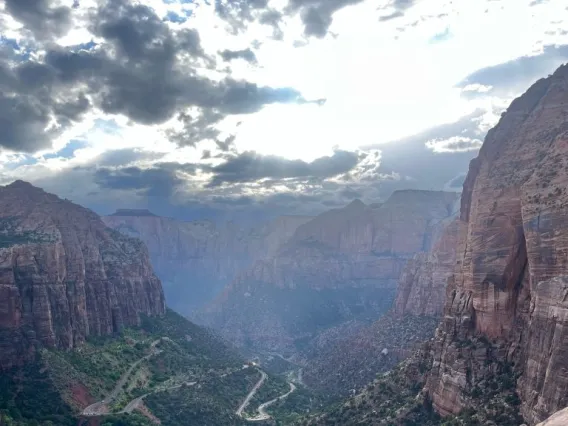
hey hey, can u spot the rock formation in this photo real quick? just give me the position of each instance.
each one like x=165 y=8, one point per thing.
x=559 y=418
x=195 y=260
x=348 y=357
x=343 y=264
x=510 y=283
x=64 y=275
x=422 y=284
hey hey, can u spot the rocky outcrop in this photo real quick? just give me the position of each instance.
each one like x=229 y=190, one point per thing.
x=343 y=264
x=422 y=284
x=559 y=418
x=195 y=260
x=65 y=276
x=509 y=285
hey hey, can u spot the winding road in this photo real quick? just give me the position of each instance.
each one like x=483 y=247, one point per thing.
x=100 y=408
x=251 y=394
x=262 y=414
x=135 y=403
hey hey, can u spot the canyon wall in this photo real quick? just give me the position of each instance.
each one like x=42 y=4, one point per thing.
x=65 y=276
x=349 y=357
x=342 y=265
x=422 y=284
x=195 y=260
x=509 y=286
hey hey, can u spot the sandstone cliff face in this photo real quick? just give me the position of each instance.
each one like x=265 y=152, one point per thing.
x=422 y=284
x=64 y=275
x=509 y=284
x=559 y=418
x=341 y=265
x=195 y=260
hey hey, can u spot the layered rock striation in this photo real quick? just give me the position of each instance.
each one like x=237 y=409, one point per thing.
x=509 y=286
x=422 y=284
x=342 y=265
x=65 y=276
x=344 y=359
x=195 y=260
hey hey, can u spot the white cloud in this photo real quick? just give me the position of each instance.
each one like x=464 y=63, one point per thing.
x=454 y=144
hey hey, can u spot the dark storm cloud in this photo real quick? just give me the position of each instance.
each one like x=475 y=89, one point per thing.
x=40 y=17
x=196 y=129
x=159 y=181
x=250 y=167
x=245 y=54
x=29 y=104
x=512 y=77
x=142 y=70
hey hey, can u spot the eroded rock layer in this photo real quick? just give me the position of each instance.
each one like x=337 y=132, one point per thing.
x=422 y=284
x=509 y=285
x=64 y=275
x=342 y=265
x=195 y=260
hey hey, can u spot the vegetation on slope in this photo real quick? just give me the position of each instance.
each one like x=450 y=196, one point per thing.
x=396 y=398
x=272 y=388
x=351 y=361
x=212 y=401
x=206 y=379
x=11 y=234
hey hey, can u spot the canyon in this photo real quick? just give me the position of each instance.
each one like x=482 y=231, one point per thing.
x=474 y=303
x=196 y=260
x=341 y=266
x=350 y=357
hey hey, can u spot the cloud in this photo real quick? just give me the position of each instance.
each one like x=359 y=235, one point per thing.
x=317 y=15
x=159 y=181
x=125 y=156
x=195 y=129
x=420 y=166
x=397 y=8
x=141 y=68
x=454 y=144
x=511 y=78
x=250 y=166
x=44 y=21
x=237 y=13
x=245 y=54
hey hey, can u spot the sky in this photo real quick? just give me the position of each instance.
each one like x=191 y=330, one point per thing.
x=252 y=108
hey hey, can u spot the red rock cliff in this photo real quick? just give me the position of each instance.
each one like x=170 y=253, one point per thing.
x=422 y=284
x=64 y=275
x=510 y=282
